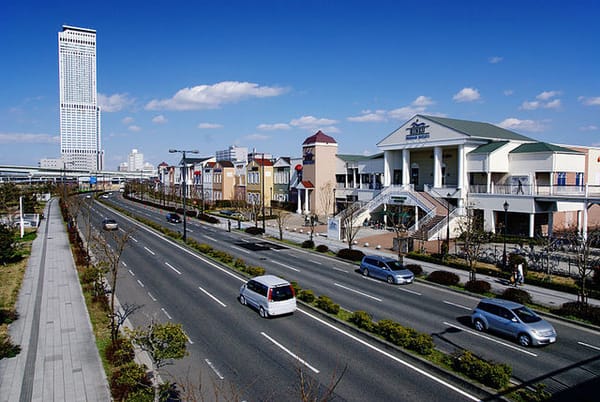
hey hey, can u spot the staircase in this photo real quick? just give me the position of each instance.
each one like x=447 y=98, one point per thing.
x=422 y=233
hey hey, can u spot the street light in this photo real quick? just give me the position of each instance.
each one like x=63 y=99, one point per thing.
x=448 y=225
x=333 y=201
x=195 y=151
x=505 y=224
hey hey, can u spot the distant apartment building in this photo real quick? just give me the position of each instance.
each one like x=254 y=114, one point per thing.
x=232 y=154
x=135 y=161
x=80 y=139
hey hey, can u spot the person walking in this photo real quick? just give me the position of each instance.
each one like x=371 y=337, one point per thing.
x=515 y=277
x=520 y=276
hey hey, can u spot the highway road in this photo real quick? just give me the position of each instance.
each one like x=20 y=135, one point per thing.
x=572 y=361
x=235 y=352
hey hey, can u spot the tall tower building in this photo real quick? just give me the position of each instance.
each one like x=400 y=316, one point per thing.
x=80 y=142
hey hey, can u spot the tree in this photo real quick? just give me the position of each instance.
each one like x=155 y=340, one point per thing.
x=349 y=226
x=8 y=246
x=111 y=257
x=281 y=217
x=473 y=237
x=585 y=259
x=395 y=219
x=163 y=342
x=326 y=197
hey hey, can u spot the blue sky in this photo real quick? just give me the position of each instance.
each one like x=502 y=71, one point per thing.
x=267 y=74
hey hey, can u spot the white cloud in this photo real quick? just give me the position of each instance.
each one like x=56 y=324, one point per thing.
x=114 y=103
x=369 y=116
x=543 y=101
x=213 y=96
x=544 y=96
x=423 y=101
x=134 y=128
x=591 y=127
x=495 y=59
x=530 y=105
x=257 y=137
x=311 y=122
x=26 y=138
x=209 y=125
x=160 y=119
x=553 y=104
x=593 y=101
x=405 y=113
x=467 y=95
x=273 y=127
x=513 y=123
x=127 y=120
x=508 y=92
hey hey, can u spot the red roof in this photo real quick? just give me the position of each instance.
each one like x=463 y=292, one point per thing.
x=319 y=137
x=264 y=162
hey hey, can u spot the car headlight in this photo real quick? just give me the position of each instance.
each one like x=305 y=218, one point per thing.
x=534 y=331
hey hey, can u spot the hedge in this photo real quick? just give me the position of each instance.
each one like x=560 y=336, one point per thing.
x=491 y=374
x=516 y=295
x=576 y=309
x=478 y=286
x=350 y=254
x=415 y=269
x=308 y=244
x=444 y=278
x=322 y=248
x=327 y=305
x=254 y=230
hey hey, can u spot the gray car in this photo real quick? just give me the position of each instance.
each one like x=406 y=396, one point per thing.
x=386 y=268
x=514 y=320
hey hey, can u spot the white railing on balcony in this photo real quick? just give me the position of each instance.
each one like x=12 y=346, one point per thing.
x=575 y=191
x=442 y=224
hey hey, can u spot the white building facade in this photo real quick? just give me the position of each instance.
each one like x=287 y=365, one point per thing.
x=80 y=139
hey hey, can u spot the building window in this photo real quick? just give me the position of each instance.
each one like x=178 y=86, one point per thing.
x=561 y=179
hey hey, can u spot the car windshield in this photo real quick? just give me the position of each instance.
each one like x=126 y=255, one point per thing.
x=395 y=265
x=526 y=315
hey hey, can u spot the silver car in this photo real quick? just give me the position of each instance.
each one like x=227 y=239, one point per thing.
x=514 y=320
x=385 y=268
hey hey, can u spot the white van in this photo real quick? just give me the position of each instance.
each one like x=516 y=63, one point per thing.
x=269 y=294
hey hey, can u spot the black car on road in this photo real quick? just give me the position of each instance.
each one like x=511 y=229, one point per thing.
x=173 y=218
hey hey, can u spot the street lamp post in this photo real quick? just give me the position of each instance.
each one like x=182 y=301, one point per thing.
x=184 y=191
x=505 y=224
x=448 y=225
x=333 y=202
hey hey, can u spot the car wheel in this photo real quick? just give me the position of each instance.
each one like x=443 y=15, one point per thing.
x=479 y=325
x=390 y=279
x=524 y=340
x=263 y=313
x=365 y=272
x=242 y=300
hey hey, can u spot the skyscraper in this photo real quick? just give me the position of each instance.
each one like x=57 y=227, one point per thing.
x=80 y=141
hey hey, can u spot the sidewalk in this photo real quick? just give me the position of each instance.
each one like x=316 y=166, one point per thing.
x=59 y=360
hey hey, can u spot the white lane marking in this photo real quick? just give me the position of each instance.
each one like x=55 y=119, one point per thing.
x=214 y=369
x=341 y=270
x=289 y=352
x=150 y=251
x=167 y=314
x=133 y=238
x=211 y=238
x=212 y=297
x=589 y=346
x=188 y=338
x=316 y=262
x=457 y=305
x=123 y=262
x=491 y=339
x=152 y=297
x=140 y=282
x=285 y=266
x=242 y=250
x=172 y=267
x=389 y=355
x=189 y=230
x=357 y=291
x=410 y=291
x=131 y=272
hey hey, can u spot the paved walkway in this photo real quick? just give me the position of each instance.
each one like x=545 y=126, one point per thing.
x=59 y=359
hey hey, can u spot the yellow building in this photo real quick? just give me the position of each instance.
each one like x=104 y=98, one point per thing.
x=223 y=180
x=259 y=182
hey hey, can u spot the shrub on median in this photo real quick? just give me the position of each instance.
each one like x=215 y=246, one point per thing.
x=322 y=248
x=327 y=305
x=363 y=320
x=308 y=244
x=478 y=286
x=306 y=295
x=494 y=375
x=415 y=269
x=350 y=254
x=444 y=278
x=405 y=337
x=516 y=295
